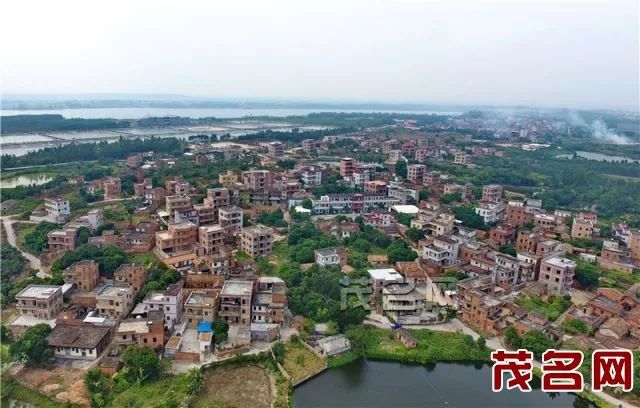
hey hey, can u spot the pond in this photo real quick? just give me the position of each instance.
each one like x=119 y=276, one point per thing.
x=367 y=383
x=26 y=180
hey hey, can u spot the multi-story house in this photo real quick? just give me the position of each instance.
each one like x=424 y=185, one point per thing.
x=177 y=203
x=62 y=240
x=211 y=238
x=347 y=166
x=309 y=147
x=276 y=149
x=114 y=300
x=257 y=241
x=58 y=209
x=517 y=214
x=170 y=302
x=557 y=273
x=42 y=302
x=133 y=274
x=582 y=228
x=206 y=215
x=492 y=193
x=218 y=198
x=257 y=180
x=229 y=178
x=178 y=238
x=416 y=172
x=443 y=251
x=201 y=306
x=147 y=332
x=375 y=187
x=112 y=187
x=83 y=274
x=235 y=302
x=351 y=203
x=269 y=300
x=478 y=307
x=490 y=211
x=230 y=218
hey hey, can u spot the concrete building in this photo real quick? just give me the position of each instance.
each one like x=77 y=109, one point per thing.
x=58 y=209
x=309 y=147
x=83 y=274
x=147 y=331
x=176 y=203
x=211 y=238
x=170 y=302
x=582 y=228
x=330 y=256
x=443 y=251
x=276 y=149
x=201 y=306
x=347 y=166
x=42 y=302
x=178 y=238
x=205 y=214
x=492 y=193
x=230 y=218
x=490 y=211
x=218 y=198
x=557 y=273
x=257 y=241
x=382 y=277
x=229 y=178
x=132 y=274
x=235 y=302
x=269 y=300
x=478 y=307
x=112 y=187
x=416 y=172
x=375 y=187
x=62 y=240
x=257 y=180
x=114 y=300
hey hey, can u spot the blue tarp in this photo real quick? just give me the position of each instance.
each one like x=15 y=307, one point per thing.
x=204 y=327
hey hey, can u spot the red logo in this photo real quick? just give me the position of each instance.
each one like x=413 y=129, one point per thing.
x=612 y=368
x=518 y=363
x=559 y=371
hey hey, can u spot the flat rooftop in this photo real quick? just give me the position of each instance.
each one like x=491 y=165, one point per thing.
x=114 y=290
x=237 y=288
x=560 y=262
x=384 y=274
x=39 y=291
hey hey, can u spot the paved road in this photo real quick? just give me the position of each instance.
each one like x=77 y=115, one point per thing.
x=34 y=262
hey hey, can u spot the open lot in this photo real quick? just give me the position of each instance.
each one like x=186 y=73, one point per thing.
x=300 y=362
x=244 y=386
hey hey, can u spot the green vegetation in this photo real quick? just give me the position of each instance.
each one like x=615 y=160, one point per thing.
x=469 y=218
x=160 y=276
x=92 y=151
x=273 y=219
x=575 y=326
x=553 y=307
x=534 y=341
x=432 y=346
x=109 y=258
x=399 y=251
x=300 y=362
x=36 y=240
x=342 y=359
x=13 y=390
x=52 y=122
x=32 y=348
x=11 y=265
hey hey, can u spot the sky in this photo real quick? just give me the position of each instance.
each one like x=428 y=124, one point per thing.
x=552 y=53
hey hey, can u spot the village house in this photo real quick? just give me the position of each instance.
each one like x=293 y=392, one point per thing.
x=235 y=302
x=330 y=256
x=83 y=274
x=147 y=331
x=257 y=241
x=114 y=300
x=557 y=273
x=269 y=300
x=62 y=240
x=170 y=301
x=201 y=306
x=42 y=302
x=83 y=342
x=406 y=337
x=133 y=274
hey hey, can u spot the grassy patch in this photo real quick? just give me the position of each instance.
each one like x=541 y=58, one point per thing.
x=553 y=307
x=300 y=362
x=342 y=359
x=240 y=386
x=145 y=259
x=432 y=346
x=12 y=390
x=154 y=393
x=616 y=279
x=575 y=326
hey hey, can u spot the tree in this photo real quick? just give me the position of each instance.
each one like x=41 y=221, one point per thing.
x=83 y=235
x=399 y=251
x=508 y=249
x=278 y=352
x=401 y=168
x=587 y=275
x=32 y=348
x=404 y=219
x=481 y=343
x=141 y=364
x=451 y=197
x=424 y=194
x=512 y=339
x=5 y=334
x=415 y=234
x=306 y=203
x=36 y=240
x=537 y=342
x=195 y=381
x=468 y=216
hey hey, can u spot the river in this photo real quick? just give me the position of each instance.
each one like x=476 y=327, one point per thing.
x=371 y=384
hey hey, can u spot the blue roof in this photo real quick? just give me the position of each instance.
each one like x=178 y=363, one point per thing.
x=204 y=327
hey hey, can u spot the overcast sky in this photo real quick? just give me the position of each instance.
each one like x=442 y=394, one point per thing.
x=543 y=53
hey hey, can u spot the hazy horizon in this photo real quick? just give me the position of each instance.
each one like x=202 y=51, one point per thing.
x=555 y=54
